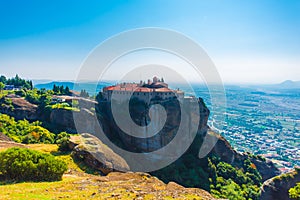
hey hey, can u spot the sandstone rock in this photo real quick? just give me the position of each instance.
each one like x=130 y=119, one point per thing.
x=145 y=186
x=63 y=118
x=74 y=141
x=99 y=156
x=140 y=115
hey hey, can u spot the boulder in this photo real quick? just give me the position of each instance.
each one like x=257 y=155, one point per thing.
x=99 y=156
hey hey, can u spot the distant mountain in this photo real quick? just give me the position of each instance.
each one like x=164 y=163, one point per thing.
x=88 y=86
x=40 y=81
x=288 y=84
x=50 y=85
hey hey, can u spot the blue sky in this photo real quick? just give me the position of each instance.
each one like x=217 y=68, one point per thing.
x=249 y=41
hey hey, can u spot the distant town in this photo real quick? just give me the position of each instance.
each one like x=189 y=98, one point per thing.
x=263 y=123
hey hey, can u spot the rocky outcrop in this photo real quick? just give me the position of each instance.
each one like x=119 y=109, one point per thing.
x=18 y=107
x=266 y=168
x=144 y=186
x=62 y=118
x=196 y=115
x=98 y=156
x=277 y=188
x=74 y=121
x=139 y=114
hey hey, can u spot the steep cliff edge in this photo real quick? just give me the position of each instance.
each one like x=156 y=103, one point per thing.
x=139 y=112
x=227 y=154
x=277 y=188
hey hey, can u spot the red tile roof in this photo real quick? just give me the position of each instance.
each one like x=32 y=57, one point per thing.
x=136 y=88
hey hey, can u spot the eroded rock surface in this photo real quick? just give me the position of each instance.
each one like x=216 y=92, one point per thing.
x=98 y=156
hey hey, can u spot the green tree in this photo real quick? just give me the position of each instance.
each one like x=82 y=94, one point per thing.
x=2 y=85
x=84 y=93
x=61 y=89
x=294 y=192
x=31 y=85
x=23 y=131
x=55 y=89
x=67 y=91
x=3 y=79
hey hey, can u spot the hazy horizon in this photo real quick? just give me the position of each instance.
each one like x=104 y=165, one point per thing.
x=45 y=81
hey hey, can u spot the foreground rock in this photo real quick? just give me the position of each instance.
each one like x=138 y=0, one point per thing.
x=98 y=156
x=278 y=187
x=111 y=187
x=145 y=186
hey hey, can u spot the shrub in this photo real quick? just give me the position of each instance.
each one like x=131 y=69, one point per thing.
x=21 y=164
x=294 y=192
x=62 y=140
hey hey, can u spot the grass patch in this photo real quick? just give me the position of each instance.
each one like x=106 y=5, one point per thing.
x=69 y=187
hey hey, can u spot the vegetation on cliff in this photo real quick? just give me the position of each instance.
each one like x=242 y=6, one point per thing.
x=25 y=132
x=294 y=192
x=30 y=133
x=219 y=178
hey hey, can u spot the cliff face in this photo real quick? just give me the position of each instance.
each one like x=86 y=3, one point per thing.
x=176 y=112
x=277 y=188
x=62 y=118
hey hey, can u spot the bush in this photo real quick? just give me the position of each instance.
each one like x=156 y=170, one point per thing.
x=19 y=164
x=62 y=140
x=294 y=192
